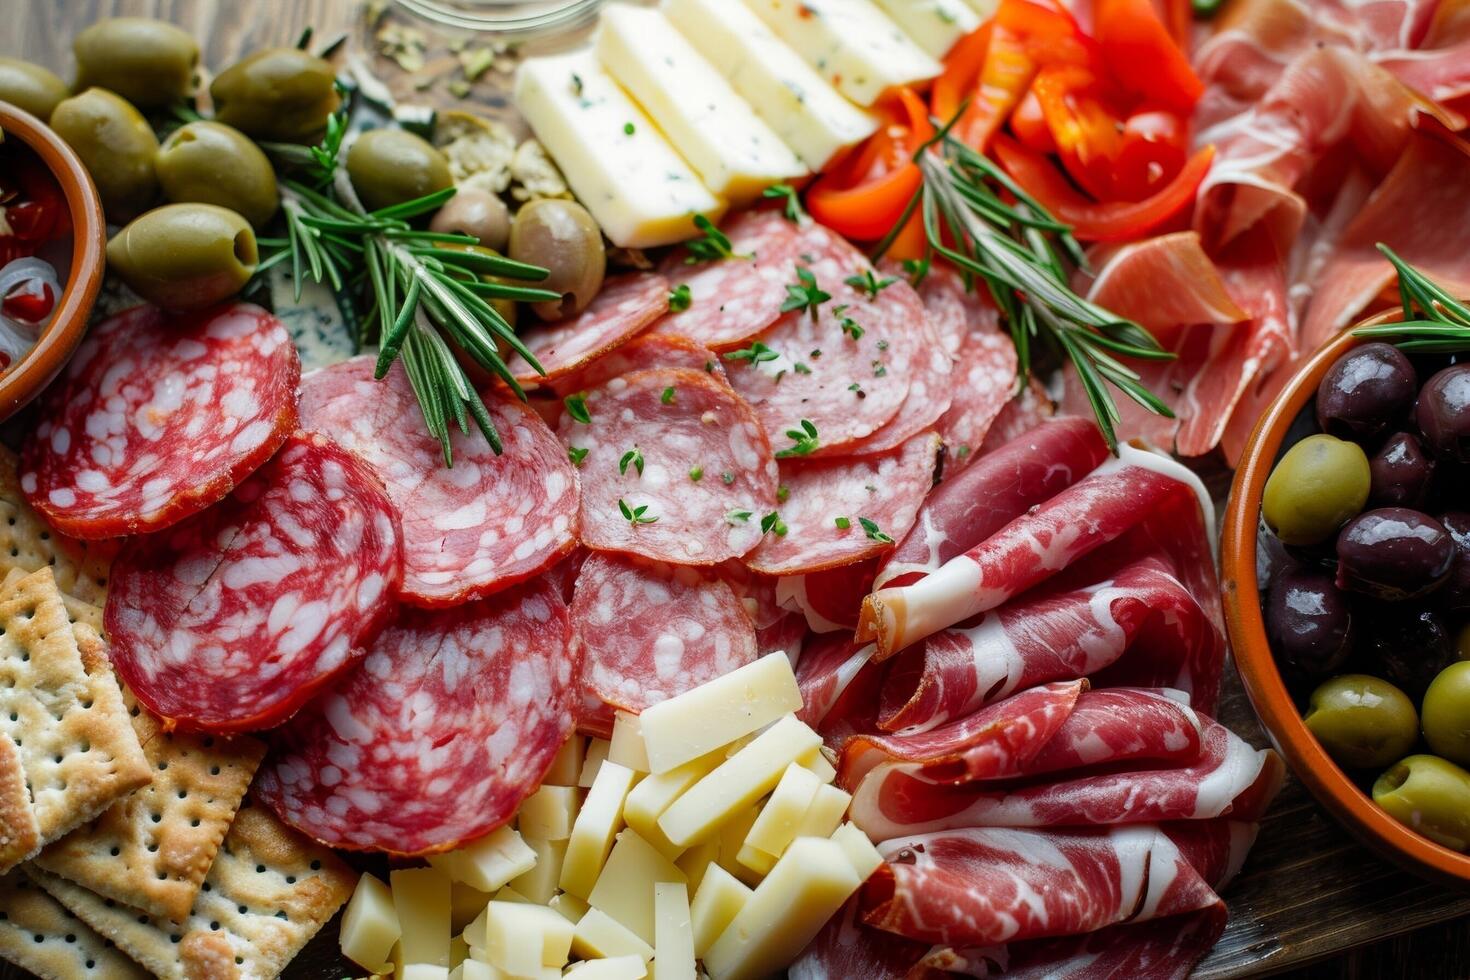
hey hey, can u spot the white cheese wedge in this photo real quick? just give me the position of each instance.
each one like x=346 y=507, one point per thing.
x=715 y=713
x=728 y=145
x=598 y=934
x=850 y=43
x=474 y=933
x=719 y=899
x=523 y=939
x=540 y=883
x=829 y=806
x=861 y=853
x=421 y=899
x=423 y=971
x=807 y=886
x=370 y=925
x=673 y=947
x=635 y=185
x=475 y=970
x=625 y=888
x=697 y=860
x=488 y=863
x=779 y=818
x=598 y=822
x=626 y=747
x=816 y=760
x=567 y=765
x=549 y=812
x=731 y=837
x=612 y=968
x=934 y=25
x=655 y=794
x=597 y=750
x=754 y=860
x=807 y=113
x=569 y=907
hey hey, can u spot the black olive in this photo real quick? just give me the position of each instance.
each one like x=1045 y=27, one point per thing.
x=1310 y=623
x=1455 y=593
x=1406 y=645
x=1443 y=413
x=1393 y=553
x=1402 y=473
x=1365 y=391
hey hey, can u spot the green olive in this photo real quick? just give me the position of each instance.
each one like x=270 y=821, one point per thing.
x=1446 y=713
x=116 y=145
x=389 y=166
x=183 y=256
x=562 y=237
x=31 y=87
x=277 y=94
x=472 y=211
x=211 y=163
x=148 y=62
x=1320 y=483
x=1427 y=794
x=1363 y=722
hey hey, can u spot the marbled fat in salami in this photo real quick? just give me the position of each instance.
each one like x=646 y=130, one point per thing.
x=984 y=382
x=468 y=530
x=231 y=620
x=625 y=305
x=158 y=416
x=642 y=352
x=448 y=724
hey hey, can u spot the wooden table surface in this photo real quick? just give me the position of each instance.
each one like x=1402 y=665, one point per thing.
x=1310 y=901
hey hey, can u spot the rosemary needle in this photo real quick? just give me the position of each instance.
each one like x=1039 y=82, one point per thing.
x=1434 y=322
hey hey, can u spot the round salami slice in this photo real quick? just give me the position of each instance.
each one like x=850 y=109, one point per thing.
x=841 y=511
x=469 y=530
x=448 y=724
x=231 y=620
x=953 y=309
x=158 y=416
x=642 y=352
x=651 y=630
x=733 y=299
x=985 y=381
x=847 y=371
x=674 y=467
x=625 y=305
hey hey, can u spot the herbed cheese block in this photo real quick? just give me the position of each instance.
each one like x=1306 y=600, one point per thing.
x=934 y=25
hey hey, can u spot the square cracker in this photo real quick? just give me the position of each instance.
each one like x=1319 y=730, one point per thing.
x=39 y=934
x=77 y=610
x=268 y=893
x=61 y=707
x=20 y=835
x=27 y=542
x=153 y=849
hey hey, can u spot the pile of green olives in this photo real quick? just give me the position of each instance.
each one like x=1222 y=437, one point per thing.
x=1367 y=603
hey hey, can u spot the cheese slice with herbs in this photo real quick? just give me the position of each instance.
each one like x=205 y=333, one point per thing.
x=934 y=25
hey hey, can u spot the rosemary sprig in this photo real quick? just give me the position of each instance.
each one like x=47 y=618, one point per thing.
x=1434 y=322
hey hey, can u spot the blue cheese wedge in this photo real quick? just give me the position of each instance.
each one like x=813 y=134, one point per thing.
x=728 y=145
x=934 y=25
x=851 y=43
x=616 y=162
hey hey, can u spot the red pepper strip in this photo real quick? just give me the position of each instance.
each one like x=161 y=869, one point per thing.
x=1007 y=72
x=866 y=195
x=1087 y=134
x=961 y=69
x=1155 y=146
x=1106 y=221
x=1143 y=57
x=1029 y=124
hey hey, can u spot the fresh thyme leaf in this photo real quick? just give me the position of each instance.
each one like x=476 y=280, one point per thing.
x=738 y=517
x=680 y=298
x=628 y=129
x=714 y=244
x=577 y=408
x=635 y=515
x=874 y=533
x=792 y=202
x=667 y=397
x=870 y=283
x=696 y=473
x=849 y=326
x=916 y=269
x=804 y=294
x=756 y=353
x=842 y=523
x=577 y=454
x=804 y=441
x=801 y=368
x=633 y=456
x=727 y=478
x=879 y=370
x=772 y=523
x=783 y=493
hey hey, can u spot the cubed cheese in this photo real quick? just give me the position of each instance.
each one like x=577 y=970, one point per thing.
x=489 y=862
x=755 y=860
x=423 y=971
x=612 y=968
x=779 y=818
x=635 y=185
x=805 y=889
x=474 y=933
x=599 y=934
x=731 y=836
x=861 y=853
x=459 y=951
x=475 y=970
x=850 y=43
x=567 y=765
x=625 y=888
x=816 y=760
x=549 y=812
x=719 y=898
x=597 y=750
x=464 y=904
x=370 y=925
x=626 y=747
x=738 y=782
x=522 y=939
x=730 y=147
x=807 y=113
x=569 y=907
x=673 y=946
x=599 y=820
x=540 y=883
x=654 y=794
x=934 y=25
x=704 y=718
x=509 y=894
x=421 y=899
x=829 y=805
x=697 y=859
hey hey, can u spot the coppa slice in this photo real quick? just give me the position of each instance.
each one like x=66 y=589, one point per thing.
x=484 y=524
x=449 y=723
x=625 y=306
x=230 y=621
x=674 y=467
x=158 y=416
x=652 y=630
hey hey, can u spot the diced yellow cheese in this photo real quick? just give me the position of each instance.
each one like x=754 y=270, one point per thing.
x=567 y=765
x=509 y=894
x=984 y=9
x=421 y=899
x=755 y=860
x=860 y=851
x=597 y=750
x=521 y=939
x=640 y=191
x=478 y=954
x=612 y=968
x=850 y=43
x=489 y=862
x=807 y=886
x=718 y=900
x=738 y=782
x=370 y=925
x=464 y=904
x=704 y=718
x=549 y=812
x=934 y=25
x=816 y=760
x=459 y=950
x=654 y=794
x=599 y=820
x=423 y=971
x=625 y=888
x=829 y=806
x=540 y=883
x=475 y=970
x=697 y=859
x=599 y=934
x=731 y=837
x=474 y=933
x=626 y=747
x=734 y=152
x=779 y=818
x=673 y=946
x=569 y=907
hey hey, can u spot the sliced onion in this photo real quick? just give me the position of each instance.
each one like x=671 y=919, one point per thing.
x=17 y=336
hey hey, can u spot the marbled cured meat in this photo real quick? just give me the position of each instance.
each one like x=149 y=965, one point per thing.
x=829 y=600
x=642 y=352
x=624 y=307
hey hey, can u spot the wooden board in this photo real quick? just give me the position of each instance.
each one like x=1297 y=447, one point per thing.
x=1308 y=892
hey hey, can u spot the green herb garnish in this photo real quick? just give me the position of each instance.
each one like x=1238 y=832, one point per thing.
x=804 y=441
x=756 y=353
x=792 y=202
x=804 y=294
x=1434 y=322
x=772 y=523
x=680 y=298
x=635 y=515
x=577 y=454
x=714 y=244
x=577 y=408
x=633 y=457
x=870 y=283
x=871 y=529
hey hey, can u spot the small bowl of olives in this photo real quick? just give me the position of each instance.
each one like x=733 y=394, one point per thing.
x=1346 y=559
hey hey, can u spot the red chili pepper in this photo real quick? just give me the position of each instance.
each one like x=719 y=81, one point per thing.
x=1142 y=55
x=1087 y=134
x=961 y=71
x=865 y=195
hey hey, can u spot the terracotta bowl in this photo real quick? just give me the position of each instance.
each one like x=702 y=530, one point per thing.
x=23 y=381
x=1332 y=787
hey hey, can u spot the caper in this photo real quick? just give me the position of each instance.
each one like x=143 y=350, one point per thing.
x=31 y=87
x=476 y=212
x=389 y=166
x=211 y=163
x=277 y=94
x=562 y=237
x=115 y=144
x=183 y=256
x=1320 y=483
x=148 y=62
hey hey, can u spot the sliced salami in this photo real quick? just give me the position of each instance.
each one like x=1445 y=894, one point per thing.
x=984 y=383
x=674 y=467
x=848 y=370
x=642 y=352
x=954 y=310
x=651 y=630
x=448 y=724
x=733 y=299
x=486 y=523
x=231 y=620
x=841 y=511
x=1020 y=415
x=626 y=305
x=158 y=416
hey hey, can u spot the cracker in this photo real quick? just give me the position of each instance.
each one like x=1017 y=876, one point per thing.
x=39 y=934
x=20 y=835
x=268 y=893
x=61 y=707
x=27 y=542
x=153 y=849
x=77 y=610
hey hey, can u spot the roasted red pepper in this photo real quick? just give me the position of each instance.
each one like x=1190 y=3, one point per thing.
x=1143 y=57
x=864 y=196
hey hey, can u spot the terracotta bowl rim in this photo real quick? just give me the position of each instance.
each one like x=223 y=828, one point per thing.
x=1262 y=679
x=89 y=240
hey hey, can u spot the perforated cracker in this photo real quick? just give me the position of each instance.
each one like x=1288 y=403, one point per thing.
x=20 y=835
x=39 y=934
x=28 y=543
x=268 y=893
x=61 y=707
x=77 y=610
